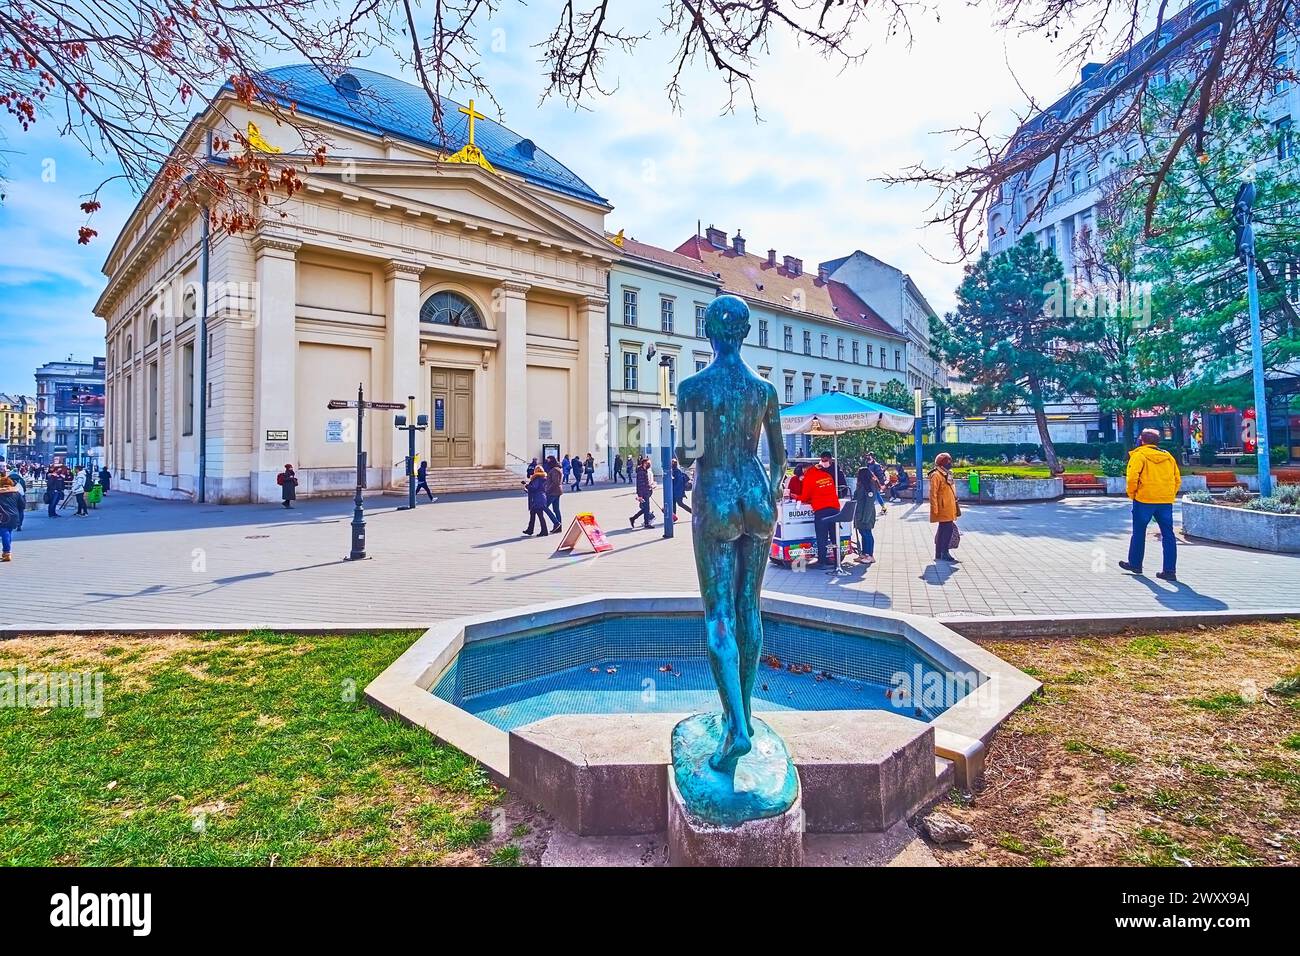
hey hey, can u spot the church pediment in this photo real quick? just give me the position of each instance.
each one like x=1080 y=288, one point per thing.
x=463 y=194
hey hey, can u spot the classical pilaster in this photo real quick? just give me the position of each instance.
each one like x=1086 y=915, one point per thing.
x=511 y=304
x=401 y=354
x=275 y=362
x=593 y=339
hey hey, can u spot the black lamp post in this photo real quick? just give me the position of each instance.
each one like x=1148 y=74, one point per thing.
x=420 y=423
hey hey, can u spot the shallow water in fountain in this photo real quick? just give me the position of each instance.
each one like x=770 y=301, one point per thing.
x=658 y=664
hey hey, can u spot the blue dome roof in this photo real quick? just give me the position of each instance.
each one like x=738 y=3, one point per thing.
x=379 y=104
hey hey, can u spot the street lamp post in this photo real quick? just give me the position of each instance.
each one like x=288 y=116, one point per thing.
x=1245 y=236
x=667 y=440
x=417 y=423
x=918 y=424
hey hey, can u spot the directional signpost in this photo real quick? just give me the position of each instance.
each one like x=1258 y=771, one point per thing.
x=358 y=503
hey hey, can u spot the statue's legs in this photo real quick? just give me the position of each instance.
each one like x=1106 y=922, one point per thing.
x=716 y=563
x=752 y=556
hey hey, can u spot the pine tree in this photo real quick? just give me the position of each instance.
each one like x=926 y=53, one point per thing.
x=1007 y=345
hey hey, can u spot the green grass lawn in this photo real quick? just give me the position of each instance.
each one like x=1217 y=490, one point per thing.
x=255 y=750
x=1025 y=471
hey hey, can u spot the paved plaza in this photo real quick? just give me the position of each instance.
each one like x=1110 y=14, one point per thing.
x=137 y=562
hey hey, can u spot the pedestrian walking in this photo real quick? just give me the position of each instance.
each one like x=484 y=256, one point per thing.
x=618 y=468
x=288 y=482
x=1153 y=483
x=944 y=509
x=105 y=479
x=681 y=485
x=422 y=480
x=20 y=483
x=536 y=489
x=644 y=494
x=575 y=473
x=865 y=493
x=589 y=469
x=818 y=492
x=566 y=465
x=12 y=504
x=554 y=488
x=79 y=491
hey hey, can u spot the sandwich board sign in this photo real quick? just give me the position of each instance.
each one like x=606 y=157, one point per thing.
x=584 y=527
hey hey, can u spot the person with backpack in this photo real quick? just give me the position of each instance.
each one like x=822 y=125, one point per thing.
x=288 y=482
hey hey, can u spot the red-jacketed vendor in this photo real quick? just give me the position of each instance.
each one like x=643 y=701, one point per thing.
x=819 y=493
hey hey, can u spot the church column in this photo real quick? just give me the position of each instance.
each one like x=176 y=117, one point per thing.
x=401 y=354
x=275 y=362
x=511 y=304
x=593 y=338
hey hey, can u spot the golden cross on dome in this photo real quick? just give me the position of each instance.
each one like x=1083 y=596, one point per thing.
x=470 y=153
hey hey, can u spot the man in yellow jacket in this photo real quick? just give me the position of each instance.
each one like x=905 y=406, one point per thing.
x=1153 y=483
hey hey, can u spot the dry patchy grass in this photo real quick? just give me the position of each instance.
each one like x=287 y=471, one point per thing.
x=1162 y=749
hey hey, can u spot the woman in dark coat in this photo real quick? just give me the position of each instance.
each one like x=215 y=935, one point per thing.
x=105 y=478
x=536 y=488
x=589 y=468
x=644 y=491
x=288 y=486
x=864 y=515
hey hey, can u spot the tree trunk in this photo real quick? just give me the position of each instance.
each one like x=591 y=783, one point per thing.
x=1040 y=418
x=1130 y=429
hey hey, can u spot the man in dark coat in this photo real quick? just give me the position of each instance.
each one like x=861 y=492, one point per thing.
x=422 y=480
x=679 y=490
x=554 y=488
x=644 y=490
x=54 y=489
x=105 y=478
x=618 y=468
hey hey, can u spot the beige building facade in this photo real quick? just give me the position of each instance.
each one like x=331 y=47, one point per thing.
x=477 y=288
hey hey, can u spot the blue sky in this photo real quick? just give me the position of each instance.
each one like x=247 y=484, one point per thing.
x=799 y=181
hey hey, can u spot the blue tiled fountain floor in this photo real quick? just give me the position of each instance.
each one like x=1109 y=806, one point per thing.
x=637 y=685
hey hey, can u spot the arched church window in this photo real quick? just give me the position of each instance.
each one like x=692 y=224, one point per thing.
x=153 y=331
x=450 y=308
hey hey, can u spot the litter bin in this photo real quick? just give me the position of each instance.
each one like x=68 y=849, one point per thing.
x=973 y=482
x=95 y=494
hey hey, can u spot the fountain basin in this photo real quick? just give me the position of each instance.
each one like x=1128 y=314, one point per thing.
x=572 y=703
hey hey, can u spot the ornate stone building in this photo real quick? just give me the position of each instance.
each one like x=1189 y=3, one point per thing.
x=471 y=275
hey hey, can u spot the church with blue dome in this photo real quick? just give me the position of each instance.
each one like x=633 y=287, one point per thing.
x=459 y=264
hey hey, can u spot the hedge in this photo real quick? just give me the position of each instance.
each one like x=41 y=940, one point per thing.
x=1086 y=451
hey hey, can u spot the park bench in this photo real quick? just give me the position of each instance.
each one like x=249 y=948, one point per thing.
x=1287 y=476
x=1222 y=481
x=1078 y=484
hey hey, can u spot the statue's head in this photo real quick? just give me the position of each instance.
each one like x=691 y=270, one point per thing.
x=726 y=322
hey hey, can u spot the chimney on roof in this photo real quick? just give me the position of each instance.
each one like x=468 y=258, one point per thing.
x=738 y=243
x=717 y=237
x=1088 y=72
x=771 y=257
x=823 y=274
x=793 y=266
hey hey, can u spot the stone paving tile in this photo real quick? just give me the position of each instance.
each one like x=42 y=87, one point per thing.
x=136 y=562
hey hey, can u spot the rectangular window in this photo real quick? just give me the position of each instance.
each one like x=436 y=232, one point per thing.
x=187 y=384
x=898 y=360
x=882 y=357
x=629 y=307
x=839 y=349
x=700 y=365
x=826 y=384
x=700 y=309
x=807 y=387
x=762 y=333
x=857 y=353
x=789 y=339
x=826 y=346
x=153 y=400
x=1285 y=138
x=807 y=342
x=630 y=360
x=789 y=388
x=857 y=387
x=672 y=374
x=666 y=316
